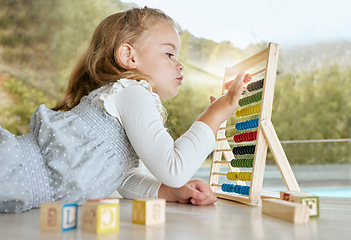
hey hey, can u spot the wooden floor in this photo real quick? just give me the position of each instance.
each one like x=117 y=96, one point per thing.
x=223 y=220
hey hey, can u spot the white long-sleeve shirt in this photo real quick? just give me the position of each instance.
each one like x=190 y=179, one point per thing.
x=171 y=162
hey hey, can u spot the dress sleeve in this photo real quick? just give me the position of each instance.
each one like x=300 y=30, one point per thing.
x=171 y=162
x=138 y=184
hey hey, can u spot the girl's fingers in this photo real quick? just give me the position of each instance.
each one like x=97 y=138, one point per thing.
x=236 y=89
x=202 y=193
x=227 y=84
x=237 y=81
x=234 y=84
x=212 y=99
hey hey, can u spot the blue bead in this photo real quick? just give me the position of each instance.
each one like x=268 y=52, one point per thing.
x=239 y=189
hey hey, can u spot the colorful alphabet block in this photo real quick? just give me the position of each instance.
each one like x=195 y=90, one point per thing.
x=100 y=217
x=308 y=199
x=58 y=216
x=149 y=211
x=288 y=211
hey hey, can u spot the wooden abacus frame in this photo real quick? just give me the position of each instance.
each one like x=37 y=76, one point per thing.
x=266 y=135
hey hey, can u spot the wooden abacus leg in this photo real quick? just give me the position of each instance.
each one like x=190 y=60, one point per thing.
x=279 y=155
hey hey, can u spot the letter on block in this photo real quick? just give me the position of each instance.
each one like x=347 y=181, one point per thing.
x=149 y=211
x=308 y=199
x=100 y=217
x=289 y=211
x=58 y=216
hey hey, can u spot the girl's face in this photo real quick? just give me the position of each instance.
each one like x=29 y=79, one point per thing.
x=156 y=56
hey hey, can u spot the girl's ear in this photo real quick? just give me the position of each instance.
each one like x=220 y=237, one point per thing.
x=125 y=55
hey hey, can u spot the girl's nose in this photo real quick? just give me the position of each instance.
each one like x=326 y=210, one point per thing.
x=180 y=66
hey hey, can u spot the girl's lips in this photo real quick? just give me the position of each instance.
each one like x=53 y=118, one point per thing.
x=180 y=79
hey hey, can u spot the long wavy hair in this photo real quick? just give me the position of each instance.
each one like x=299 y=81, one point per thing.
x=100 y=65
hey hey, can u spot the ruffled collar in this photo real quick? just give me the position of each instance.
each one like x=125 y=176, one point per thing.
x=124 y=83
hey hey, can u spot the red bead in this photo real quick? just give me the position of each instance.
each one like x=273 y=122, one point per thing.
x=247 y=78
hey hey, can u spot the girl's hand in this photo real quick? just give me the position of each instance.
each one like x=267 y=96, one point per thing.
x=223 y=107
x=196 y=192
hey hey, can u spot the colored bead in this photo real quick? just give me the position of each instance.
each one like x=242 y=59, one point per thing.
x=242 y=150
x=242 y=176
x=246 y=125
x=254 y=86
x=247 y=78
x=244 y=190
x=245 y=137
x=242 y=162
x=250 y=99
x=248 y=111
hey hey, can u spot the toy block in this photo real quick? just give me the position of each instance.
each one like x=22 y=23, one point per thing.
x=105 y=200
x=100 y=217
x=308 y=199
x=58 y=216
x=149 y=211
x=288 y=211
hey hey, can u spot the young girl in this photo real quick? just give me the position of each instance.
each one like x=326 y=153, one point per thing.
x=111 y=116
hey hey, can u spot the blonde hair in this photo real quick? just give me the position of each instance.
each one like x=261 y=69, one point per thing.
x=99 y=65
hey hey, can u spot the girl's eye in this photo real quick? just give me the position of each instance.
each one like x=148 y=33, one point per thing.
x=170 y=55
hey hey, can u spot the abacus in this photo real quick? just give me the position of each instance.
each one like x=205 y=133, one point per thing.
x=255 y=133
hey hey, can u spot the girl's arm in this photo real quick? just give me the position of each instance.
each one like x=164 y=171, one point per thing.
x=171 y=162
x=138 y=184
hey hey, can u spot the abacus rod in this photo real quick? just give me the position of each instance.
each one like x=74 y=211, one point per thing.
x=262 y=70
x=226 y=90
x=248 y=115
x=218 y=173
x=216 y=185
x=224 y=174
x=228 y=127
x=223 y=139
x=223 y=150
x=233 y=126
x=222 y=162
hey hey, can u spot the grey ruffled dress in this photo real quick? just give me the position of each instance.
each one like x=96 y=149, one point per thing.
x=70 y=156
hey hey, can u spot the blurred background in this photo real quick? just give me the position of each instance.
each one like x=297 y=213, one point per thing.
x=40 y=42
